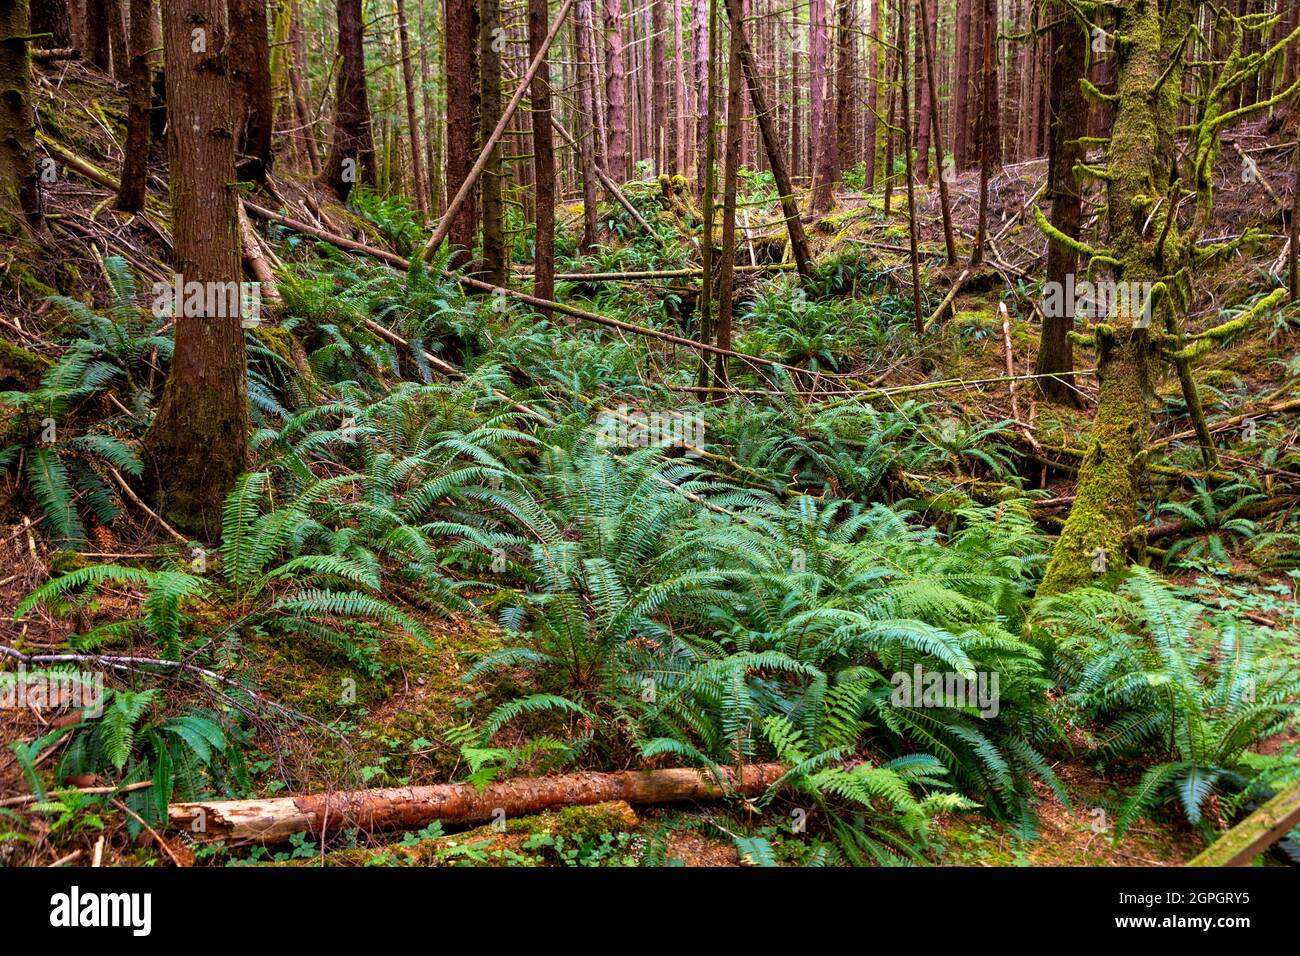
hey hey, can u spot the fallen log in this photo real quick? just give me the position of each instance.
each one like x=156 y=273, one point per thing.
x=1255 y=834
x=275 y=819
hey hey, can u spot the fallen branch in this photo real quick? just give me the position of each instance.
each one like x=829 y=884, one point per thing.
x=276 y=819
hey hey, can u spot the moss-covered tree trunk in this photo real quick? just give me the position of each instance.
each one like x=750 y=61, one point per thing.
x=1103 y=529
x=252 y=73
x=20 y=196
x=197 y=443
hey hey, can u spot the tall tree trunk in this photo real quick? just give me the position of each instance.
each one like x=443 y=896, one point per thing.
x=408 y=82
x=117 y=37
x=678 y=158
x=873 y=93
x=297 y=62
x=707 y=148
x=615 y=93
x=658 y=63
x=962 y=85
x=197 y=444
x=586 y=126
x=251 y=59
x=821 y=125
x=352 y=155
x=988 y=126
x=492 y=43
x=928 y=37
x=99 y=50
x=1069 y=122
x=54 y=18
x=461 y=84
x=20 y=196
x=543 y=156
x=135 y=165
x=730 y=175
x=909 y=175
x=844 y=39
x=926 y=100
x=700 y=29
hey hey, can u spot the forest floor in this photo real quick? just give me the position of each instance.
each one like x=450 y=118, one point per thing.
x=399 y=727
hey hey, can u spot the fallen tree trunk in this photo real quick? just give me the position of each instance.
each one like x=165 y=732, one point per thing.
x=409 y=808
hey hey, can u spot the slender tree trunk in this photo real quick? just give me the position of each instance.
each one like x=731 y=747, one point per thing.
x=117 y=37
x=926 y=99
x=615 y=93
x=491 y=45
x=707 y=178
x=1069 y=123
x=461 y=84
x=700 y=28
x=679 y=92
x=844 y=39
x=543 y=156
x=961 y=87
x=20 y=195
x=988 y=107
x=197 y=444
x=251 y=60
x=658 y=62
x=928 y=36
x=408 y=82
x=873 y=93
x=821 y=126
x=586 y=126
x=352 y=156
x=135 y=165
x=907 y=166
x=296 y=64
x=730 y=175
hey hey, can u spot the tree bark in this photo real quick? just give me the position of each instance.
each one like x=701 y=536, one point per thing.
x=99 y=49
x=197 y=444
x=275 y=819
x=873 y=93
x=135 y=165
x=616 y=146
x=700 y=29
x=408 y=82
x=730 y=176
x=20 y=194
x=1069 y=122
x=52 y=17
x=543 y=156
x=306 y=128
x=988 y=127
x=352 y=155
x=844 y=35
x=679 y=93
x=586 y=130
x=461 y=39
x=821 y=120
x=928 y=34
x=251 y=59
x=492 y=41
